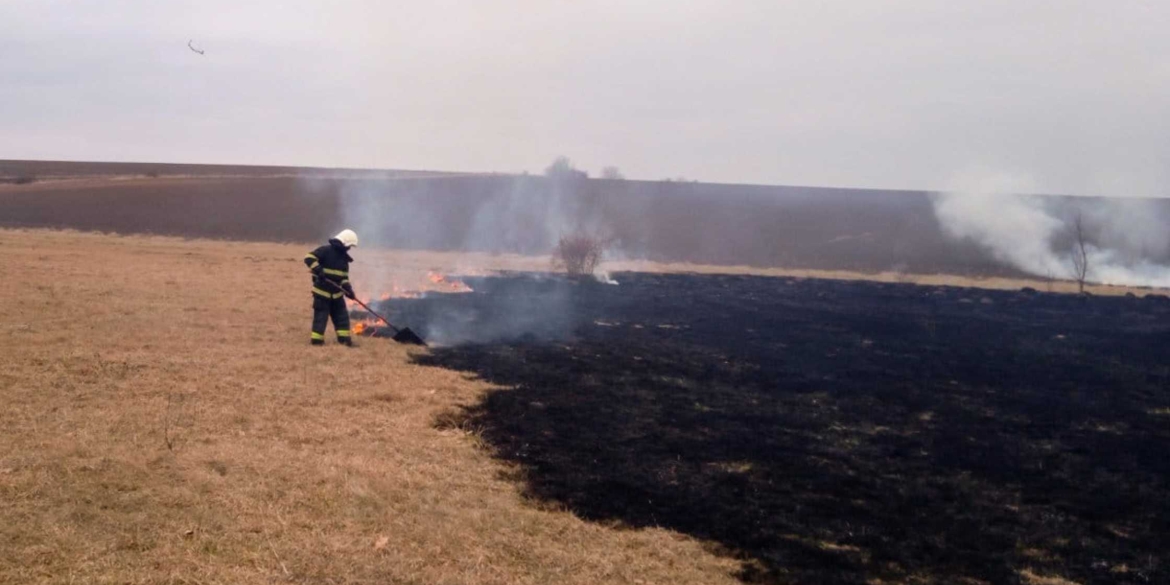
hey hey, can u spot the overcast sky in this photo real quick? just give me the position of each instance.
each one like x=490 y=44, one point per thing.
x=1065 y=96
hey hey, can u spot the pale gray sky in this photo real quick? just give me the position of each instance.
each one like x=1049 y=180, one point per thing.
x=1060 y=96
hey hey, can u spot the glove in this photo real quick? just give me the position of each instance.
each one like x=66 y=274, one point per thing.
x=348 y=290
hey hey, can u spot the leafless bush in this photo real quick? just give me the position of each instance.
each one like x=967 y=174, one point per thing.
x=580 y=253
x=1079 y=254
x=612 y=173
x=20 y=180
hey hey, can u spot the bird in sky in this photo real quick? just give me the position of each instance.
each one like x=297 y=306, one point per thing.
x=192 y=47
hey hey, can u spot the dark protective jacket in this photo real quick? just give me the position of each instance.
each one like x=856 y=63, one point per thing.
x=330 y=267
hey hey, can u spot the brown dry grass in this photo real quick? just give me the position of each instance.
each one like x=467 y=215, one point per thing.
x=479 y=262
x=406 y=267
x=1031 y=578
x=287 y=463
x=993 y=283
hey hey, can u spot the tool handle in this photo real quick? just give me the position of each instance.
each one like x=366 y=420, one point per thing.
x=371 y=311
x=364 y=306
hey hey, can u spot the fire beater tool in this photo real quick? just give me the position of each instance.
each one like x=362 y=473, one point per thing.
x=404 y=335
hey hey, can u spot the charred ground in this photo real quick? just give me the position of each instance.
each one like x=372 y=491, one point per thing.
x=835 y=432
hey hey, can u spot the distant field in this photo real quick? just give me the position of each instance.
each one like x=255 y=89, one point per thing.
x=854 y=231
x=835 y=229
x=24 y=171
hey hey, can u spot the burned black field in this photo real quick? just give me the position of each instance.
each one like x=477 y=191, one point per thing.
x=831 y=432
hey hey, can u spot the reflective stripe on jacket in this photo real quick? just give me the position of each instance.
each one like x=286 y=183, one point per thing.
x=330 y=267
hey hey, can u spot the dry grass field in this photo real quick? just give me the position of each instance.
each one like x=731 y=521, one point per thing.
x=165 y=421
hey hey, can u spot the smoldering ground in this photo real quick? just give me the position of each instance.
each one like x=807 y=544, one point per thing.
x=516 y=307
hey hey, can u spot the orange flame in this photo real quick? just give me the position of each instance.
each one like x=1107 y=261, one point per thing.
x=366 y=326
x=436 y=282
x=453 y=285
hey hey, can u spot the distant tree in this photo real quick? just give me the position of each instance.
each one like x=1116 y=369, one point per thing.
x=613 y=173
x=1079 y=254
x=562 y=168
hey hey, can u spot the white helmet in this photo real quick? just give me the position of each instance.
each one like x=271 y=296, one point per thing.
x=347 y=238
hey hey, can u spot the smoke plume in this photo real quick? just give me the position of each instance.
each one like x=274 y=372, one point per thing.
x=531 y=307
x=1127 y=238
x=506 y=214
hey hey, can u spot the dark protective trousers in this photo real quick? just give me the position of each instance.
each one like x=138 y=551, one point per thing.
x=323 y=310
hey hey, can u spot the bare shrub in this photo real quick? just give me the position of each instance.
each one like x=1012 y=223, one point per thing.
x=1079 y=254
x=580 y=253
x=612 y=173
x=24 y=179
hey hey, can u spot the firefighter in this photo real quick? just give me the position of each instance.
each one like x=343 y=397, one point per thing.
x=330 y=267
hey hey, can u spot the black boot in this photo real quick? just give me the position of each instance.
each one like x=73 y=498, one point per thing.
x=346 y=342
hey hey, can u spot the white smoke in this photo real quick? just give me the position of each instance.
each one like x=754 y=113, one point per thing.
x=531 y=216
x=604 y=277
x=509 y=215
x=1127 y=237
x=525 y=216
x=523 y=307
